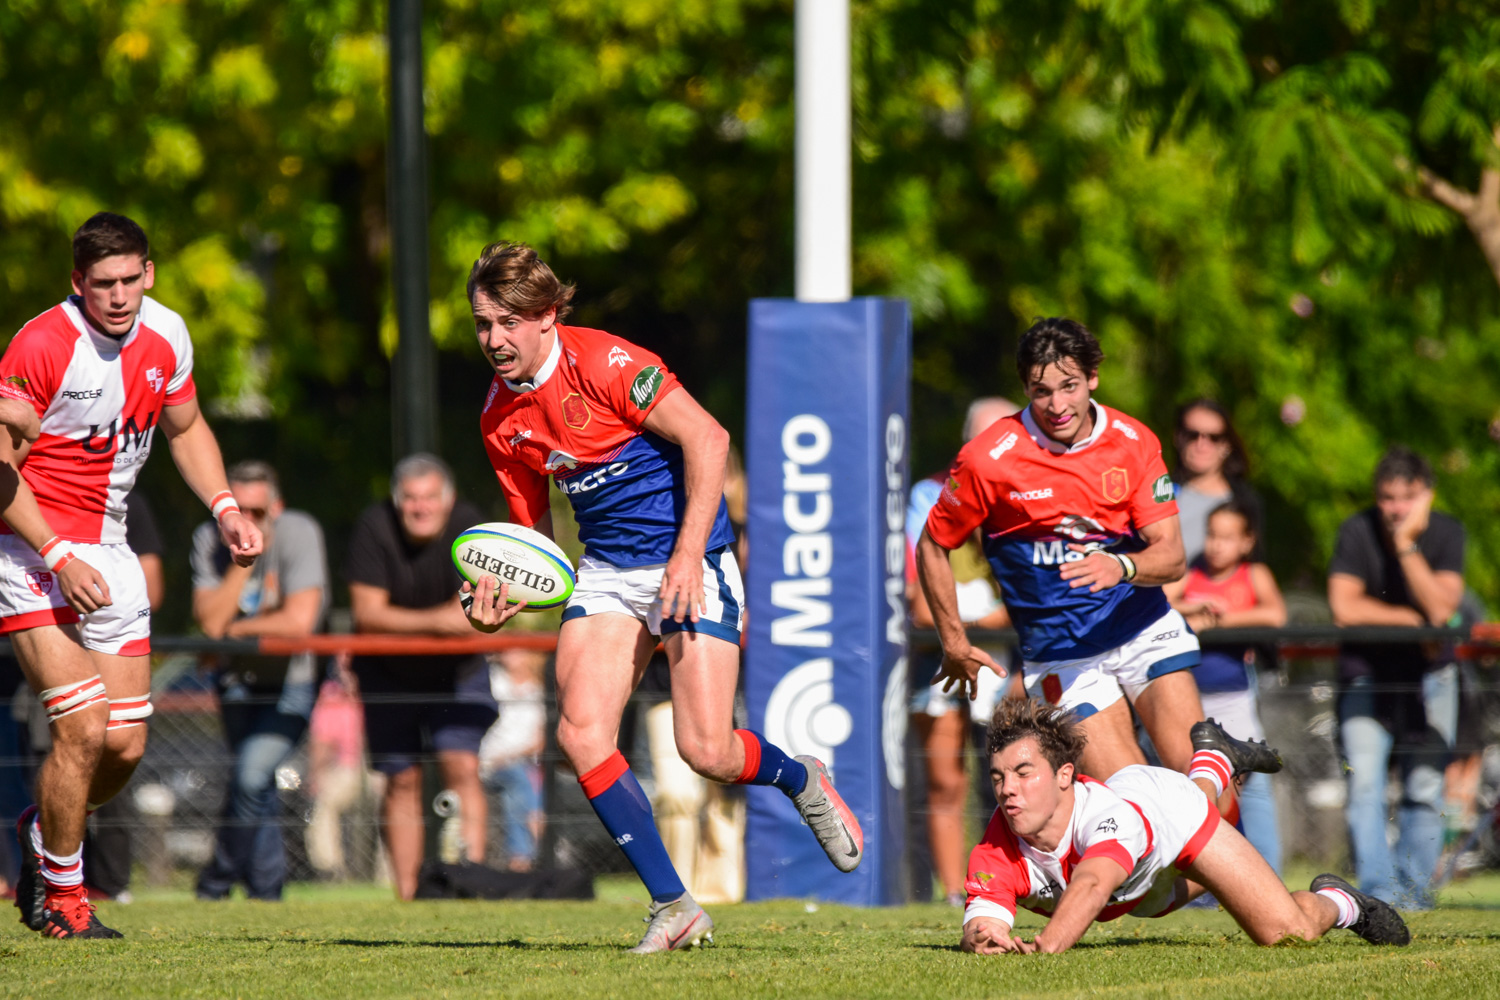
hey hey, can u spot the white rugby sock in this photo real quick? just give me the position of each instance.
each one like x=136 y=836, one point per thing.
x=1212 y=766
x=1348 y=908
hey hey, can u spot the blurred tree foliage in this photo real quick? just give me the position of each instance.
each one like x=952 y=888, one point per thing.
x=1286 y=206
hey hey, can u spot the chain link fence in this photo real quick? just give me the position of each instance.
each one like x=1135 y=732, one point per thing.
x=166 y=819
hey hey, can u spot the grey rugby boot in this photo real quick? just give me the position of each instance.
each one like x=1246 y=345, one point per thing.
x=676 y=925
x=829 y=818
x=1378 y=921
x=1244 y=755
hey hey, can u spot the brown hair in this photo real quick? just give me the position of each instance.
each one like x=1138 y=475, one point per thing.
x=106 y=234
x=1236 y=463
x=1055 y=730
x=513 y=275
x=1056 y=341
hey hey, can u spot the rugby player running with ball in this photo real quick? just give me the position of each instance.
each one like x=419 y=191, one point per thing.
x=643 y=466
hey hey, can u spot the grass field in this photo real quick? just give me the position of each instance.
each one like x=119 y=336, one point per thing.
x=330 y=942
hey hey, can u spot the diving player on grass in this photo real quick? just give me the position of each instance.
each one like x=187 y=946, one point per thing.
x=1076 y=513
x=643 y=466
x=1144 y=843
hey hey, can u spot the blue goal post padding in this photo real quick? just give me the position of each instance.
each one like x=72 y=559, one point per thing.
x=825 y=665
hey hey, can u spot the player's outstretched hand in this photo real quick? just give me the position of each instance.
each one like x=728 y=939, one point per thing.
x=962 y=667
x=988 y=936
x=1096 y=571
x=82 y=587
x=682 y=587
x=487 y=605
x=241 y=537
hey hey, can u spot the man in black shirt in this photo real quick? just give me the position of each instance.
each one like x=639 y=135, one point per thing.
x=402 y=581
x=1397 y=563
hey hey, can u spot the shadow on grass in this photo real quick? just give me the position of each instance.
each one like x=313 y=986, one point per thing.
x=1080 y=946
x=513 y=944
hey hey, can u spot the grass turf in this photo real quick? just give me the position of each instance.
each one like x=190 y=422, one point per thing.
x=328 y=942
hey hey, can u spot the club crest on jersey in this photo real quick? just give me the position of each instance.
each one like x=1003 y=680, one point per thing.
x=40 y=582
x=559 y=460
x=576 y=412
x=617 y=356
x=155 y=379
x=647 y=382
x=1116 y=484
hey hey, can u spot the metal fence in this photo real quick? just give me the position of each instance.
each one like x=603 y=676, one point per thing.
x=330 y=823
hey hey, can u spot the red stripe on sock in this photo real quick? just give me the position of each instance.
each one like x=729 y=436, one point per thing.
x=752 y=756
x=597 y=780
x=1211 y=761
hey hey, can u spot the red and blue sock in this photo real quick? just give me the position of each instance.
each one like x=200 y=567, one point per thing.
x=766 y=764
x=626 y=813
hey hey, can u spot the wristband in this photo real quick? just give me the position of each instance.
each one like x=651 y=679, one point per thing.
x=1127 y=566
x=56 y=553
x=223 y=503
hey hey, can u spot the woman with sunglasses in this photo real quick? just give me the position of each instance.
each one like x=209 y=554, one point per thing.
x=1210 y=476
x=1211 y=470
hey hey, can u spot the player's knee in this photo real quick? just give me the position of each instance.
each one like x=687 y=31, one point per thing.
x=581 y=743
x=710 y=758
x=124 y=748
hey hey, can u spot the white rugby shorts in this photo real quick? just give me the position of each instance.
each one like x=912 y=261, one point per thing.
x=1182 y=821
x=636 y=591
x=30 y=596
x=1094 y=683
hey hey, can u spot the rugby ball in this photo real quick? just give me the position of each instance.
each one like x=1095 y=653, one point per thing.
x=535 y=569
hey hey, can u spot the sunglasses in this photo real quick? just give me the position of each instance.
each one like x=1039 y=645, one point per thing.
x=1189 y=435
x=257 y=513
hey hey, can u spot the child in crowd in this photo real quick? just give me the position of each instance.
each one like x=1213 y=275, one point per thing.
x=1223 y=589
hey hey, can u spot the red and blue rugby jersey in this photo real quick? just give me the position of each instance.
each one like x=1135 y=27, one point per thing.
x=580 y=422
x=1032 y=497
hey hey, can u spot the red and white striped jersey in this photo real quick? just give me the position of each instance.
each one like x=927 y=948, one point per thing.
x=100 y=400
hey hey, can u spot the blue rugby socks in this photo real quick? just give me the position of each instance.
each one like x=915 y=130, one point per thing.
x=625 y=812
x=766 y=764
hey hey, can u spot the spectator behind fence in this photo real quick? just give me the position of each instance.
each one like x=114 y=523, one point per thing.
x=1224 y=588
x=402 y=581
x=265 y=700
x=1211 y=468
x=335 y=771
x=1397 y=563
x=942 y=720
x=510 y=755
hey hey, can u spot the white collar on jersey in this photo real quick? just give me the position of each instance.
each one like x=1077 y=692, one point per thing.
x=545 y=372
x=1057 y=447
x=73 y=306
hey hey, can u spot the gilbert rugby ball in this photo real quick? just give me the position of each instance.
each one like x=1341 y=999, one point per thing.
x=529 y=562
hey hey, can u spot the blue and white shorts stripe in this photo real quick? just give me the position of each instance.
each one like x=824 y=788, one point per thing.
x=1094 y=683
x=636 y=591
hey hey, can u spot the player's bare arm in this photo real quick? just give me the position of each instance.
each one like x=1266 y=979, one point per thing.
x=195 y=450
x=214 y=608
x=962 y=660
x=1162 y=561
x=20 y=419
x=81 y=585
x=1087 y=893
x=297 y=617
x=1436 y=593
x=705 y=456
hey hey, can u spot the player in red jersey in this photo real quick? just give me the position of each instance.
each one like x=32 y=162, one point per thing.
x=102 y=371
x=1077 y=517
x=643 y=466
x=1144 y=843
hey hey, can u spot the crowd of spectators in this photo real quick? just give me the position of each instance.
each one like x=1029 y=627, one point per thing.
x=373 y=724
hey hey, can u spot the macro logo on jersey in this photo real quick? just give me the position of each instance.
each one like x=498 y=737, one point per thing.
x=643 y=390
x=575 y=411
x=1006 y=444
x=40 y=582
x=617 y=356
x=1161 y=490
x=1116 y=484
x=559 y=460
